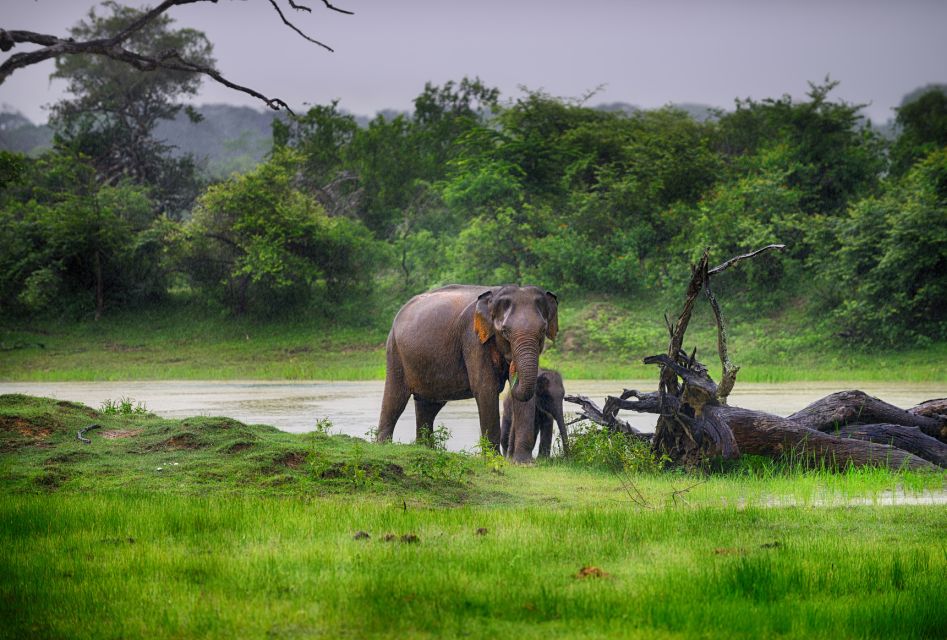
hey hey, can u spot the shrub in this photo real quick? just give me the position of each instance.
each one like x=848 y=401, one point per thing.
x=594 y=445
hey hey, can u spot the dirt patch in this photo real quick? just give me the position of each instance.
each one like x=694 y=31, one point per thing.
x=25 y=427
x=115 y=434
x=51 y=480
x=182 y=441
x=291 y=459
x=389 y=471
x=591 y=572
x=729 y=551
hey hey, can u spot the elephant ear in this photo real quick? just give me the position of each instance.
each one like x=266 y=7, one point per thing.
x=483 y=324
x=552 y=322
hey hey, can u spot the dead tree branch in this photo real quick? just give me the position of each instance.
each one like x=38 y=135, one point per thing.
x=113 y=48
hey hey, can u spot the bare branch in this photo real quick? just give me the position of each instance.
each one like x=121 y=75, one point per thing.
x=331 y=6
x=732 y=261
x=53 y=47
x=729 y=376
x=297 y=29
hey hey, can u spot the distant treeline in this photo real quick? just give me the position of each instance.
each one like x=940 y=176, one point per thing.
x=472 y=188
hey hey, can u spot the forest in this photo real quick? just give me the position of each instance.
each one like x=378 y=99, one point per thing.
x=473 y=186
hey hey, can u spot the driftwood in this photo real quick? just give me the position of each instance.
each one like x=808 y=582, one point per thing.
x=695 y=423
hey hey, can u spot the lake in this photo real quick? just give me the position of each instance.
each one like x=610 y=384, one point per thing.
x=353 y=407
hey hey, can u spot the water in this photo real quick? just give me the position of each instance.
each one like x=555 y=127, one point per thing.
x=353 y=407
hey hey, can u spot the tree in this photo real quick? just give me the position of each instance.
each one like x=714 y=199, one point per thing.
x=923 y=128
x=115 y=108
x=888 y=272
x=69 y=241
x=836 y=158
x=114 y=47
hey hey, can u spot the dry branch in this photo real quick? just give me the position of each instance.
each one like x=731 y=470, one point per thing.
x=54 y=47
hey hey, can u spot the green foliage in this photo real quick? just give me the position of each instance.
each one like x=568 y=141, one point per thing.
x=260 y=244
x=66 y=241
x=356 y=471
x=923 y=128
x=594 y=445
x=495 y=461
x=834 y=157
x=124 y=406
x=888 y=274
x=440 y=465
x=323 y=427
x=435 y=438
x=467 y=188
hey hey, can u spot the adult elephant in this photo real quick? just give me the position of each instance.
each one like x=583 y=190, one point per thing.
x=548 y=397
x=464 y=341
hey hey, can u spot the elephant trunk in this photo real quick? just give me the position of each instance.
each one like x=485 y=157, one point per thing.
x=563 y=434
x=525 y=367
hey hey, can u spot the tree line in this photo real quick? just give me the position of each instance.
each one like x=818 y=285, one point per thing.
x=474 y=187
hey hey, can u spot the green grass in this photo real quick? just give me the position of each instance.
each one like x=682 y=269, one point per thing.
x=249 y=532
x=601 y=339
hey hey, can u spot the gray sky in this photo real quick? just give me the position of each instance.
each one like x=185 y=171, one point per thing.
x=647 y=53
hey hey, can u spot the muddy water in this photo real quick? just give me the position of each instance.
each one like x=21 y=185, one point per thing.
x=353 y=407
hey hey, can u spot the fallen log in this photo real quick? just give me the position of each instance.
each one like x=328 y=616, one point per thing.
x=936 y=409
x=695 y=423
x=910 y=439
x=764 y=434
x=768 y=435
x=857 y=407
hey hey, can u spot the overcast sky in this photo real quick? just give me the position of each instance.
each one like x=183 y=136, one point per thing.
x=647 y=53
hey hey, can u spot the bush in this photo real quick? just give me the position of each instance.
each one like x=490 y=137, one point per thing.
x=594 y=445
x=888 y=274
x=260 y=244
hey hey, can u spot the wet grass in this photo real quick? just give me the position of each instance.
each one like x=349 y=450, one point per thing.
x=207 y=527
x=599 y=339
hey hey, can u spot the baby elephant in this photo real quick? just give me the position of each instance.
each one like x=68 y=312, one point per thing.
x=548 y=399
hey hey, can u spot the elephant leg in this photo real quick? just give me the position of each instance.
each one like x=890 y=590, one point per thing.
x=506 y=422
x=424 y=413
x=544 y=422
x=523 y=433
x=394 y=400
x=488 y=406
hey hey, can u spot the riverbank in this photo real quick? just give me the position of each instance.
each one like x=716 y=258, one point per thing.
x=599 y=340
x=209 y=527
x=354 y=406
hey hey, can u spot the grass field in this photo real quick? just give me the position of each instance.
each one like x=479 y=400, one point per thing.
x=599 y=339
x=210 y=528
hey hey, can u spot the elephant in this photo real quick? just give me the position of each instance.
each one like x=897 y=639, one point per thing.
x=463 y=341
x=548 y=400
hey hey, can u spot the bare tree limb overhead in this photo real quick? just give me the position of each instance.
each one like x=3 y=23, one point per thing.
x=52 y=46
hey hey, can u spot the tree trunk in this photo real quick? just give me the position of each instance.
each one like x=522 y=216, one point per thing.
x=909 y=439
x=857 y=407
x=764 y=434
